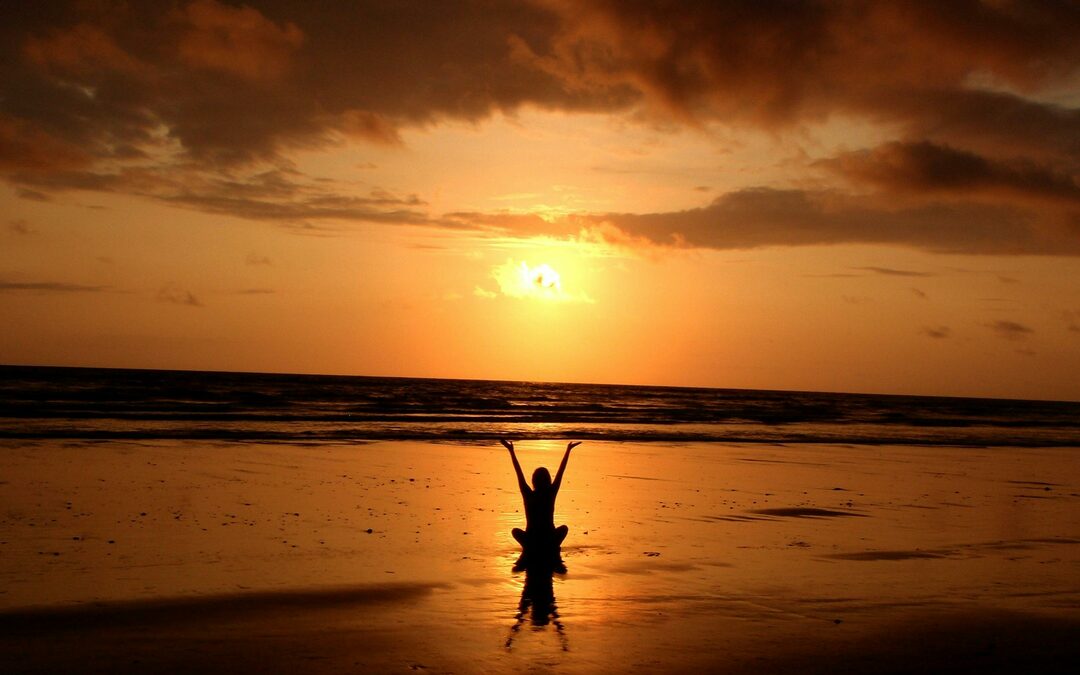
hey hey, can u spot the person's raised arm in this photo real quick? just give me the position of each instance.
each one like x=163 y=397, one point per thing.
x=517 y=467
x=562 y=467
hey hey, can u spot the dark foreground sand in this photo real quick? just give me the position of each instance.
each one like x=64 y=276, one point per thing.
x=236 y=558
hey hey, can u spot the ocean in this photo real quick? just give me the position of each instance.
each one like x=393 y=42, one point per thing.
x=119 y=404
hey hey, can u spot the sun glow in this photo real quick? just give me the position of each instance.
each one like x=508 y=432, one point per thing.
x=540 y=278
x=541 y=282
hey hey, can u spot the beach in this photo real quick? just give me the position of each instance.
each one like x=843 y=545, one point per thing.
x=158 y=556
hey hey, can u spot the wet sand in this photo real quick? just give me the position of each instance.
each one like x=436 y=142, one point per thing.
x=125 y=557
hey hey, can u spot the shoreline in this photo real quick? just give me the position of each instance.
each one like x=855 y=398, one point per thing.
x=990 y=437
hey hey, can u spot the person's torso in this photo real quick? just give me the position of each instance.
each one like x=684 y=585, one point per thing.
x=540 y=510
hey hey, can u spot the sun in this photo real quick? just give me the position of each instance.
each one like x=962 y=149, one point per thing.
x=519 y=279
x=540 y=279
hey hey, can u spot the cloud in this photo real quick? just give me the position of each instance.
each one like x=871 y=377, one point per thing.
x=769 y=217
x=237 y=41
x=256 y=291
x=200 y=104
x=769 y=64
x=178 y=296
x=1010 y=330
x=924 y=167
x=32 y=195
x=20 y=227
x=892 y=272
x=237 y=83
x=759 y=217
x=257 y=260
x=484 y=293
x=919 y=293
x=279 y=195
x=987 y=121
x=50 y=287
x=936 y=332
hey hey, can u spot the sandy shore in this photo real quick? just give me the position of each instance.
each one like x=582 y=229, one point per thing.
x=393 y=557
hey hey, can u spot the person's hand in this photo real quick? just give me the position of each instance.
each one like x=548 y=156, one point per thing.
x=571 y=445
x=507 y=444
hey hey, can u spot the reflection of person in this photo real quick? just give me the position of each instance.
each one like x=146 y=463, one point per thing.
x=537 y=606
x=540 y=531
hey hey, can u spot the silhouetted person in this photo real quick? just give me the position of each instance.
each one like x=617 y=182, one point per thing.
x=540 y=540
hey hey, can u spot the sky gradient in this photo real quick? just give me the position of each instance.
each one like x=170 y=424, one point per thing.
x=840 y=196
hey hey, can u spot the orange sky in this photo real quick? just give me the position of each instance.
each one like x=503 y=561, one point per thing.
x=848 y=196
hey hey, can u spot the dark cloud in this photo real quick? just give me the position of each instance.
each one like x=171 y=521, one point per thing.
x=1010 y=330
x=892 y=272
x=255 y=259
x=1003 y=276
x=987 y=122
x=32 y=195
x=186 y=102
x=427 y=247
x=232 y=84
x=20 y=227
x=919 y=293
x=762 y=217
x=50 y=287
x=884 y=271
x=278 y=195
x=766 y=217
x=924 y=167
x=298 y=209
x=256 y=291
x=178 y=296
x=936 y=332
x=85 y=81
x=780 y=63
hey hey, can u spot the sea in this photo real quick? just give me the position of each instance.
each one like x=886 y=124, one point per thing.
x=122 y=404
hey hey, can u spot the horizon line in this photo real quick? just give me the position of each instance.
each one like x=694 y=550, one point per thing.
x=542 y=382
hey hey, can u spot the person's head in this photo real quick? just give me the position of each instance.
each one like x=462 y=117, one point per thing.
x=541 y=479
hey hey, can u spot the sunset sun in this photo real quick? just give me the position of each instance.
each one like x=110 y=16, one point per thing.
x=541 y=278
x=523 y=281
